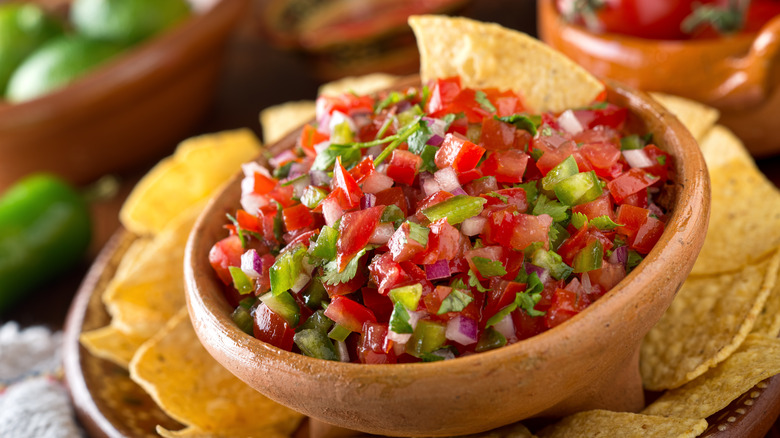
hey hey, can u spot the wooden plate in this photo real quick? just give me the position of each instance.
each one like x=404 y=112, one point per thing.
x=110 y=404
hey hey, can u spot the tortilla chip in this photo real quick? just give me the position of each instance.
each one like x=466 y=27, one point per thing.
x=697 y=117
x=279 y=120
x=199 y=166
x=744 y=219
x=768 y=321
x=721 y=147
x=152 y=289
x=756 y=359
x=486 y=55
x=360 y=85
x=598 y=423
x=516 y=430
x=707 y=321
x=194 y=389
x=111 y=344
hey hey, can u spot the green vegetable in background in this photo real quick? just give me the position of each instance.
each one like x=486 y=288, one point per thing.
x=126 y=21
x=45 y=229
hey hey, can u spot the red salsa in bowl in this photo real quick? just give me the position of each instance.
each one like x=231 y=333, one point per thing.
x=432 y=223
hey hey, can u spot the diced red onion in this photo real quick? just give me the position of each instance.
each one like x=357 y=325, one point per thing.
x=319 y=178
x=296 y=170
x=542 y=273
x=376 y=182
x=440 y=269
x=462 y=329
x=447 y=179
x=382 y=233
x=283 y=157
x=507 y=328
x=332 y=212
x=368 y=200
x=251 y=264
x=473 y=226
x=619 y=256
x=428 y=183
x=341 y=346
x=655 y=209
x=437 y=129
x=374 y=151
x=569 y=122
x=637 y=158
x=403 y=106
x=459 y=191
x=301 y=282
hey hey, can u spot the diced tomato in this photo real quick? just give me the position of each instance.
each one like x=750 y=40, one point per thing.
x=514 y=196
x=401 y=246
x=297 y=217
x=349 y=287
x=272 y=328
x=661 y=162
x=363 y=169
x=355 y=231
x=579 y=240
x=433 y=300
x=393 y=196
x=638 y=199
x=263 y=184
x=529 y=229
x=565 y=304
x=283 y=195
x=224 y=254
x=387 y=274
x=630 y=218
x=351 y=190
x=501 y=294
x=506 y=102
x=443 y=92
x=466 y=102
x=380 y=304
x=403 y=166
x=459 y=126
x=431 y=200
x=497 y=135
x=604 y=158
x=629 y=183
x=647 y=235
x=347 y=103
x=458 y=152
x=506 y=166
x=492 y=252
x=482 y=185
x=608 y=275
x=349 y=313
x=302 y=236
x=609 y=115
x=310 y=137
x=444 y=243
x=248 y=221
x=553 y=151
x=374 y=347
x=468 y=176
x=601 y=206
x=527 y=326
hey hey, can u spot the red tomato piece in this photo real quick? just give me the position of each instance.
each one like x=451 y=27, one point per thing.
x=502 y=293
x=610 y=115
x=374 y=347
x=272 y=328
x=433 y=300
x=629 y=183
x=564 y=305
x=224 y=254
x=363 y=169
x=248 y=221
x=401 y=246
x=349 y=287
x=661 y=162
x=443 y=92
x=380 y=304
x=466 y=102
x=297 y=217
x=393 y=196
x=283 y=195
x=403 y=166
x=497 y=135
x=630 y=218
x=355 y=231
x=444 y=243
x=429 y=201
x=351 y=190
x=310 y=137
x=347 y=103
x=263 y=184
x=458 y=152
x=506 y=102
x=647 y=235
x=527 y=326
x=349 y=313
x=604 y=158
x=506 y=166
x=529 y=229
x=601 y=206
x=608 y=275
x=387 y=274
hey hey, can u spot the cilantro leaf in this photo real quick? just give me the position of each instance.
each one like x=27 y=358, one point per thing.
x=484 y=102
x=474 y=282
x=392 y=213
x=399 y=319
x=531 y=191
x=604 y=223
x=428 y=156
x=489 y=268
x=332 y=276
x=525 y=122
x=349 y=153
x=633 y=260
x=661 y=159
x=545 y=205
x=419 y=138
x=392 y=97
x=456 y=301
x=527 y=299
x=579 y=220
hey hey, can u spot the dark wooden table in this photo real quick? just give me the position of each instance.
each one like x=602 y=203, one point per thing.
x=256 y=75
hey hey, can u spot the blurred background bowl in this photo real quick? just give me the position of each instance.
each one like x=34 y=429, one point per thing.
x=131 y=111
x=737 y=74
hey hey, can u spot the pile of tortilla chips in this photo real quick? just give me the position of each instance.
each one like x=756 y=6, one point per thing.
x=717 y=340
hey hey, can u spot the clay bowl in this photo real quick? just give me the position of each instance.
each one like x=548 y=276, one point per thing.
x=736 y=74
x=129 y=112
x=591 y=361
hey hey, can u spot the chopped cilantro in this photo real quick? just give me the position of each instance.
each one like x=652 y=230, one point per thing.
x=661 y=159
x=553 y=262
x=557 y=235
x=428 y=156
x=283 y=170
x=392 y=213
x=417 y=141
x=579 y=220
x=332 y=276
x=399 y=319
x=349 y=153
x=484 y=102
x=632 y=260
x=603 y=223
x=531 y=191
x=555 y=209
x=456 y=301
x=474 y=282
x=489 y=268
x=392 y=98
x=525 y=122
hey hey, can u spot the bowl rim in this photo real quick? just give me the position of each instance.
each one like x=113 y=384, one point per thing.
x=162 y=54
x=692 y=199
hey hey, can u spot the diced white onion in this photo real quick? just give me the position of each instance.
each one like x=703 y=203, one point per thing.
x=569 y=123
x=252 y=202
x=447 y=179
x=462 y=330
x=251 y=167
x=376 y=182
x=507 y=328
x=341 y=346
x=429 y=184
x=337 y=118
x=473 y=226
x=382 y=234
x=300 y=282
x=398 y=338
x=637 y=158
x=321 y=146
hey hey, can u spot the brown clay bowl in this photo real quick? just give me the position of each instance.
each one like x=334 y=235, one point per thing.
x=738 y=74
x=129 y=112
x=591 y=361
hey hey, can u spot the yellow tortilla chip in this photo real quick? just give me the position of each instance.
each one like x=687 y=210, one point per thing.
x=111 y=344
x=516 y=430
x=360 y=85
x=707 y=321
x=152 y=290
x=768 y=321
x=199 y=166
x=721 y=147
x=279 y=120
x=744 y=219
x=194 y=389
x=487 y=55
x=756 y=359
x=598 y=423
x=697 y=117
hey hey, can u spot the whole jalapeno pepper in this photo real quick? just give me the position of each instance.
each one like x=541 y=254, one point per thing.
x=45 y=229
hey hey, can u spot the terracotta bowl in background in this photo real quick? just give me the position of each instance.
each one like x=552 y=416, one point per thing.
x=737 y=74
x=130 y=111
x=590 y=361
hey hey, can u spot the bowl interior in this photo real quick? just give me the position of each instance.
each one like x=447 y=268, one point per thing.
x=565 y=369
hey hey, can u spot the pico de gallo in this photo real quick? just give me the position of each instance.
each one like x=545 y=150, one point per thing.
x=437 y=222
